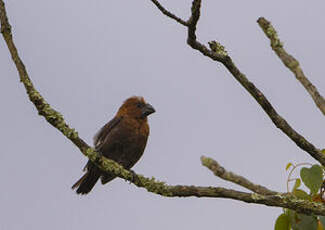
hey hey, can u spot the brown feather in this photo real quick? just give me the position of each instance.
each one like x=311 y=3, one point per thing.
x=77 y=184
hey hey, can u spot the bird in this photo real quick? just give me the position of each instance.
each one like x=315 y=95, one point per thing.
x=123 y=139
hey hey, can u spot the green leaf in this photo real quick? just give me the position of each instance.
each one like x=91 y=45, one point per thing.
x=307 y=222
x=302 y=222
x=323 y=151
x=297 y=184
x=293 y=218
x=288 y=166
x=282 y=222
x=301 y=194
x=312 y=177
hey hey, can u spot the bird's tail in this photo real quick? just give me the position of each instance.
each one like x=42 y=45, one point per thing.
x=87 y=181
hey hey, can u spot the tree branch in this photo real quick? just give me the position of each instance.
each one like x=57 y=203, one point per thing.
x=57 y=121
x=169 y=14
x=221 y=56
x=221 y=172
x=290 y=62
x=279 y=200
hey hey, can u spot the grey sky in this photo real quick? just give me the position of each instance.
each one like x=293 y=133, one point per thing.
x=86 y=57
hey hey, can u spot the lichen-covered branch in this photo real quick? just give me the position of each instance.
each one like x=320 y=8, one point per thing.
x=221 y=172
x=57 y=121
x=225 y=59
x=279 y=200
x=290 y=62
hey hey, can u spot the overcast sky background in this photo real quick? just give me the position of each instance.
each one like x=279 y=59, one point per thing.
x=87 y=57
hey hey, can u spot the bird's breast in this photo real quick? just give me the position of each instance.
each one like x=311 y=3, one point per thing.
x=126 y=143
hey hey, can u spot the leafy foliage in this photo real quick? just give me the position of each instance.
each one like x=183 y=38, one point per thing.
x=313 y=178
x=282 y=222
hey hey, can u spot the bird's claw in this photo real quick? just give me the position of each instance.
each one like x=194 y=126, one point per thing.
x=134 y=176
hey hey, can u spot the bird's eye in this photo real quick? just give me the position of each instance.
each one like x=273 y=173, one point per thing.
x=140 y=105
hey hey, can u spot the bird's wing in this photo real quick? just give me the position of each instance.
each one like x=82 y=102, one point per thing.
x=100 y=137
x=104 y=131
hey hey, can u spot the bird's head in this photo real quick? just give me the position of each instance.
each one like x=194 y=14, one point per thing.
x=135 y=107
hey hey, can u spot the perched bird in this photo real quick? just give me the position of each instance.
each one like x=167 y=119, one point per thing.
x=123 y=139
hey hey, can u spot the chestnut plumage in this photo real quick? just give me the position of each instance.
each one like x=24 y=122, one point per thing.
x=123 y=139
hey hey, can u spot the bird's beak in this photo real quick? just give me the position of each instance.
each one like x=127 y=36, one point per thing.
x=147 y=110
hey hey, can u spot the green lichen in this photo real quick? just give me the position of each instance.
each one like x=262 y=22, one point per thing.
x=91 y=154
x=293 y=64
x=113 y=167
x=257 y=197
x=154 y=186
x=218 y=48
x=35 y=96
x=206 y=161
x=272 y=34
x=74 y=134
x=28 y=84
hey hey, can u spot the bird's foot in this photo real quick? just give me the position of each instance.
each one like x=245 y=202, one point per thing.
x=134 y=176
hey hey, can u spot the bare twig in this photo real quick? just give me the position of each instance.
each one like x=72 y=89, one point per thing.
x=57 y=121
x=169 y=14
x=226 y=60
x=290 y=62
x=221 y=172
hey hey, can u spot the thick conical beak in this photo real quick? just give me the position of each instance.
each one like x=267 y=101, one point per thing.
x=147 y=110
